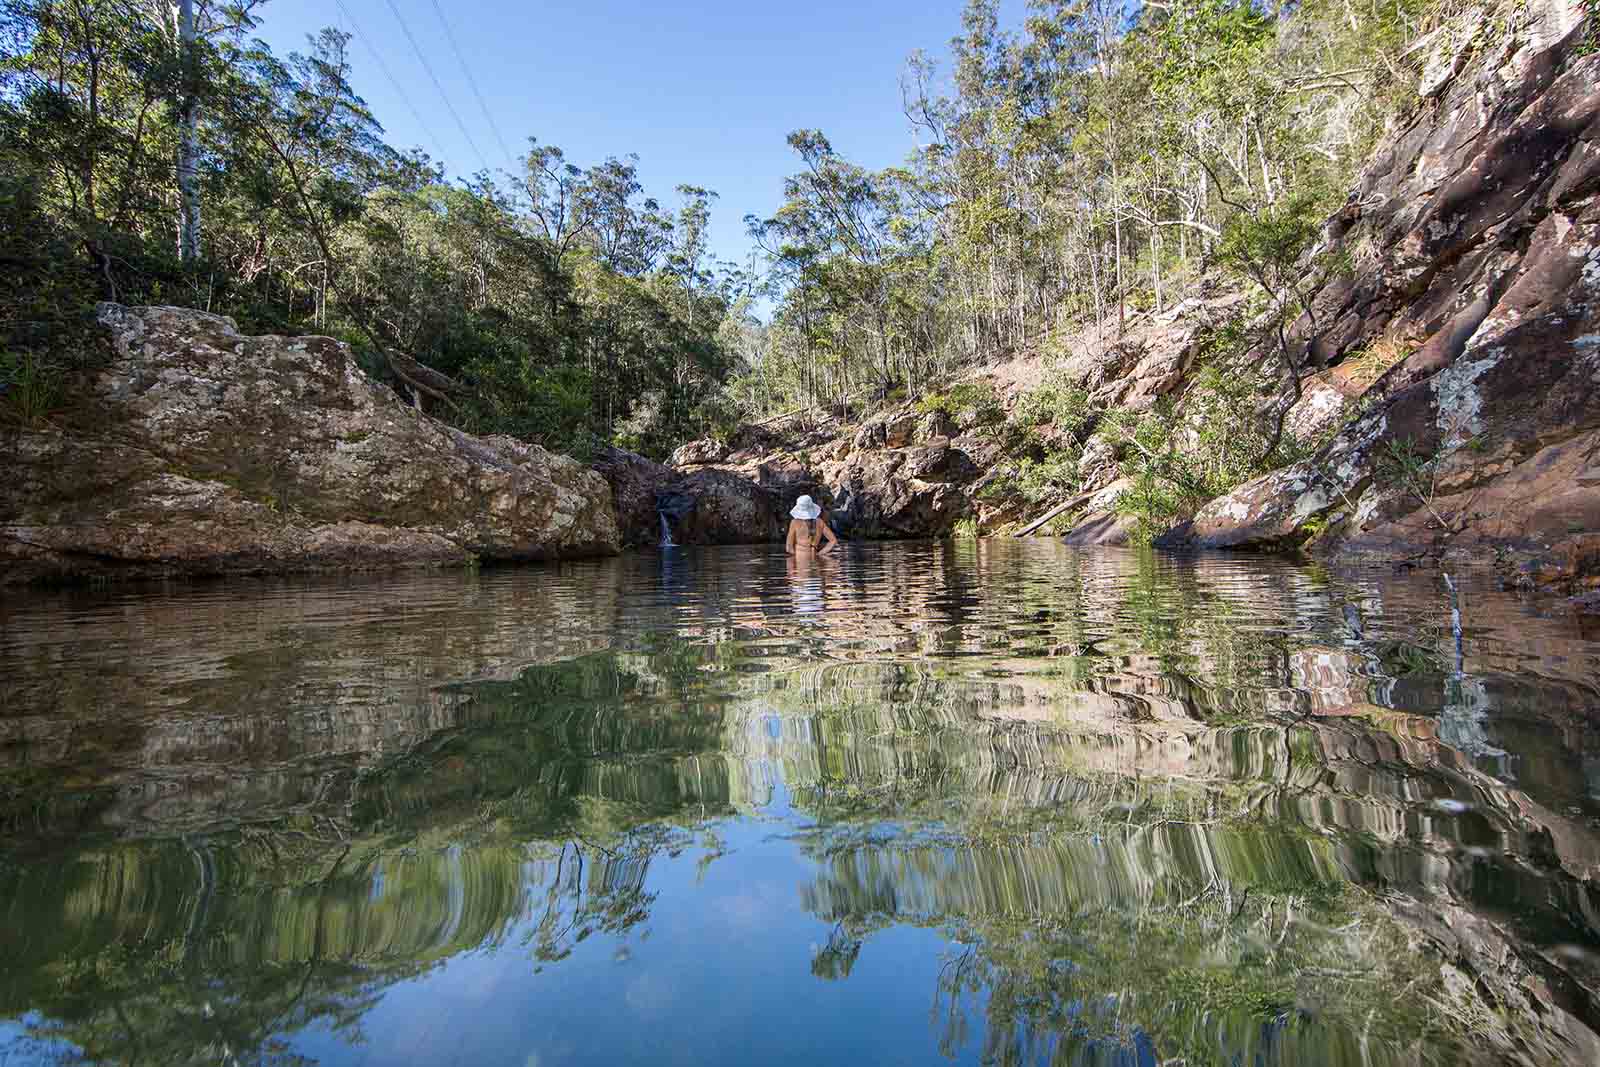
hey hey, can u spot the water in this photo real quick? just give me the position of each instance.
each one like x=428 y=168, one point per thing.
x=972 y=803
x=666 y=532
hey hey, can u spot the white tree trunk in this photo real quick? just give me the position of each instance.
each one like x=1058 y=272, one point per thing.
x=189 y=141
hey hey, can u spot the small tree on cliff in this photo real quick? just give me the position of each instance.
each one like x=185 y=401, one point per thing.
x=1268 y=247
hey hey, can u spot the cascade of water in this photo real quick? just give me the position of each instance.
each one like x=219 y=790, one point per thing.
x=666 y=532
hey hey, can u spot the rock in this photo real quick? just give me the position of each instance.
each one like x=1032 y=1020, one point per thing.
x=869 y=436
x=699 y=452
x=718 y=505
x=939 y=461
x=1265 y=512
x=1101 y=528
x=636 y=486
x=935 y=424
x=1097 y=463
x=724 y=507
x=1163 y=365
x=899 y=430
x=195 y=450
x=1101 y=524
x=1318 y=410
x=879 y=495
x=1450 y=45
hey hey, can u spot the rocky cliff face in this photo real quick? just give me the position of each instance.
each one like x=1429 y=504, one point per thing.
x=1474 y=240
x=195 y=450
x=702 y=504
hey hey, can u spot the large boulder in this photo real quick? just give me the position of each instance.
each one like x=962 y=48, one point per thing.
x=702 y=451
x=714 y=506
x=196 y=450
x=896 y=493
x=637 y=486
x=899 y=430
x=1100 y=523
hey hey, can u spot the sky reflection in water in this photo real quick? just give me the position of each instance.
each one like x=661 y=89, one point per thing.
x=984 y=802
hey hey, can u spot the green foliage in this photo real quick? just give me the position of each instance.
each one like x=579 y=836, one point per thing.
x=1401 y=462
x=1589 y=43
x=1036 y=470
x=30 y=386
x=564 y=302
x=970 y=405
x=1034 y=480
x=45 y=306
x=1163 y=484
x=1081 y=169
x=1402 y=465
x=1059 y=402
x=1177 y=457
x=1267 y=245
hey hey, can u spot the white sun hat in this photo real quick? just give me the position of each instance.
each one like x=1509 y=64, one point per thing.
x=806 y=508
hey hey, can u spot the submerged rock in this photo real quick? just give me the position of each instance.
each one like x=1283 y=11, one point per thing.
x=196 y=450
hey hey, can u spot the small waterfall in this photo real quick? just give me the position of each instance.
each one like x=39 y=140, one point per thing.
x=666 y=532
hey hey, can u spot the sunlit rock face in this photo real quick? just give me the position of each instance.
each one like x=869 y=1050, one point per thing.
x=1474 y=241
x=195 y=450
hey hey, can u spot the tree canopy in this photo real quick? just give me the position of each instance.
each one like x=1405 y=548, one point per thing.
x=1090 y=164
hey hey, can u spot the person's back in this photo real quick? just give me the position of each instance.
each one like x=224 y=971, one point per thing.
x=807 y=527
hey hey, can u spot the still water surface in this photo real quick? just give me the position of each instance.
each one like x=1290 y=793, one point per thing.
x=973 y=803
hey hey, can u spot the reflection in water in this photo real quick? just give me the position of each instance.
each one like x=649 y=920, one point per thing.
x=994 y=802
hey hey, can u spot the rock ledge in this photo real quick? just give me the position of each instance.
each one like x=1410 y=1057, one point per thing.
x=196 y=450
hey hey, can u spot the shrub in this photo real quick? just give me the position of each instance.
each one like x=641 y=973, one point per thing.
x=973 y=405
x=30 y=386
x=1402 y=465
x=549 y=406
x=1058 y=402
x=1177 y=461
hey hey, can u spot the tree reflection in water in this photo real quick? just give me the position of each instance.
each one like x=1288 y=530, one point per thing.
x=1153 y=811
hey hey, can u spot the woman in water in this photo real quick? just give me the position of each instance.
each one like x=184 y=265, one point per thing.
x=807 y=528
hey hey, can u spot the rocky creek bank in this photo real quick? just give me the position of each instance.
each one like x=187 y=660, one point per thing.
x=1448 y=361
x=193 y=450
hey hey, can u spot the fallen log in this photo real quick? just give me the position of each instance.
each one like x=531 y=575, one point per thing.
x=422 y=379
x=1080 y=499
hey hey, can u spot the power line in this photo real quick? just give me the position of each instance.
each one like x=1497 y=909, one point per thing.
x=473 y=83
x=435 y=79
x=394 y=82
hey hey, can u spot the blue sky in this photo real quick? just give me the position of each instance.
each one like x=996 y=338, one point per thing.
x=704 y=91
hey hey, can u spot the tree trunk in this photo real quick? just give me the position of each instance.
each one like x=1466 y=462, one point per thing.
x=189 y=138
x=1155 y=267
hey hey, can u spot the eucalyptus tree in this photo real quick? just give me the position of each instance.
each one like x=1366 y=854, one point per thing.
x=321 y=149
